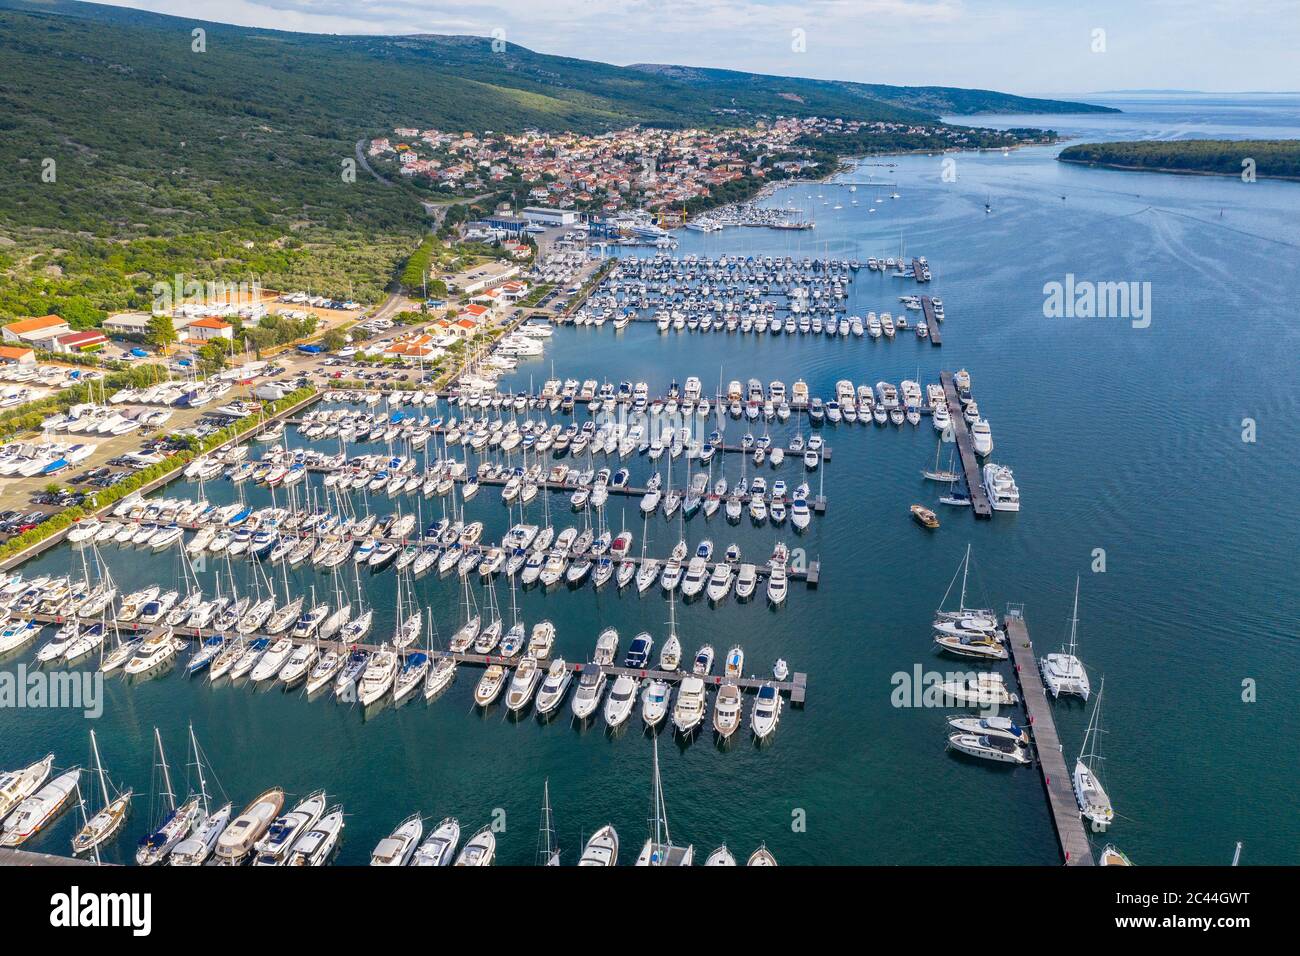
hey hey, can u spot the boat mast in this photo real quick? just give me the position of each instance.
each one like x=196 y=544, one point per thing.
x=167 y=777
x=1074 y=621
x=198 y=766
x=99 y=766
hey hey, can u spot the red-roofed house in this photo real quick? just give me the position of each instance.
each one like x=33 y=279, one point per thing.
x=209 y=328
x=87 y=341
x=477 y=314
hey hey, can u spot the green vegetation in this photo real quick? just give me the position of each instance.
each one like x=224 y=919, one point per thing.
x=132 y=157
x=1272 y=158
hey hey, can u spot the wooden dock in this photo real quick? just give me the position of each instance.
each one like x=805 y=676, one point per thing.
x=931 y=322
x=1070 y=832
x=966 y=448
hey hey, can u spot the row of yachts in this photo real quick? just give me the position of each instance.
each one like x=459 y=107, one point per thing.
x=271 y=830
x=535 y=554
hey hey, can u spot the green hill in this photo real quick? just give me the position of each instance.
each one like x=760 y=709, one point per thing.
x=1271 y=158
x=229 y=162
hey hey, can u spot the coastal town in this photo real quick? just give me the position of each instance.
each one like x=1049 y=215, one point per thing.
x=637 y=168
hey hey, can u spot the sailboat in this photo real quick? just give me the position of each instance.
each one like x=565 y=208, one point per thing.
x=1094 y=803
x=195 y=849
x=174 y=826
x=964 y=618
x=103 y=826
x=1063 y=673
x=659 y=849
x=548 y=852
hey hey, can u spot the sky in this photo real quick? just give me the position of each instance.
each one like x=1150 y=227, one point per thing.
x=1032 y=47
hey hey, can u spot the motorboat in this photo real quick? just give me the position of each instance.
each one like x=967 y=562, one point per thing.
x=36 y=811
x=554 y=686
x=317 y=845
x=990 y=747
x=239 y=838
x=274 y=848
x=601 y=848
x=479 y=850
x=621 y=700
x=691 y=704
x=397 y=848
x=727 y=710
x=655 y=697
x=766 y=711
x=439 y=847
x=1000 y=487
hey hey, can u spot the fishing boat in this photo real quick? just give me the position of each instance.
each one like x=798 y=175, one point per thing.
x=397 y=848
x=1094 y=802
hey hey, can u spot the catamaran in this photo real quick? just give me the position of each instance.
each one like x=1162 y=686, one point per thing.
x=1063 y=672
x=659 y=849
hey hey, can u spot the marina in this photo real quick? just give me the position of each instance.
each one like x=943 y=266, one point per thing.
x=1084 y=479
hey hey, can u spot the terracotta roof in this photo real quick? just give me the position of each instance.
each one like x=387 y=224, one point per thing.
x=34 y=325
x=88 y=337
x=14 y=352
x=209 y=323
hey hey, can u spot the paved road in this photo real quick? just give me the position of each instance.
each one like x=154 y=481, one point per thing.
x=365 y=164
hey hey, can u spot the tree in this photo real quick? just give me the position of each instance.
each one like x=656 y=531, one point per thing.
x=212 y=356
x=333 y=340
x=161 y=332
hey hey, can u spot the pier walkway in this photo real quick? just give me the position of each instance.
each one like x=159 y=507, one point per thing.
x=1075 y=848
x=931 y=321
x=966 y=448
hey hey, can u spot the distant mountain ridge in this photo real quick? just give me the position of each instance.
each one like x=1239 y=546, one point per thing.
x=932 y=100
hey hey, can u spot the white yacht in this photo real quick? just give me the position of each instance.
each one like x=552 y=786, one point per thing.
x=591 y=687
x=990 y=747
x=601 y=849
x=1000 y=486
x=688 y=713
x=439 y=847
x=655 y=698
x=621 y=700
x=985 y=689
x=766 y=712
x=981 y=437
x=554 y=687
x=396 y=848
x=727 y=710
x=1063 y=672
